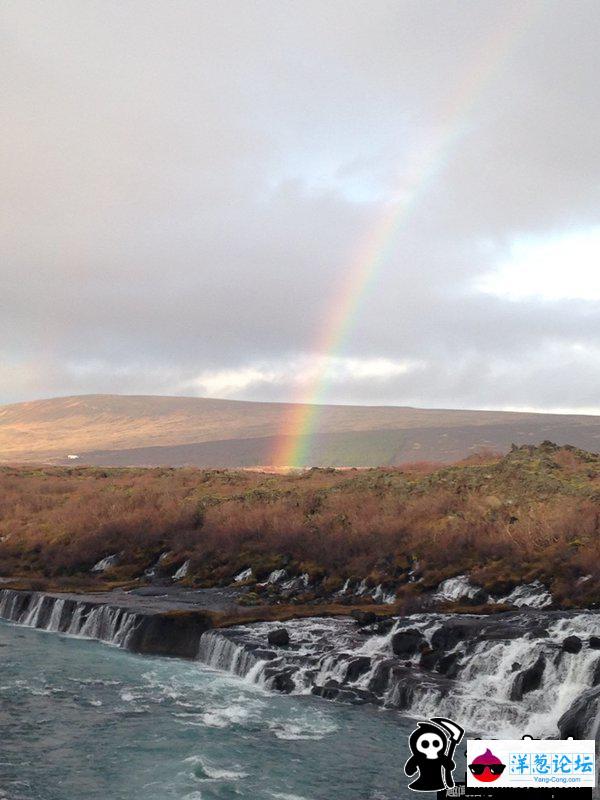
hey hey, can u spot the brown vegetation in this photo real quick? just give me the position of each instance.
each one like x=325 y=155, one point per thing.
x=532 y=514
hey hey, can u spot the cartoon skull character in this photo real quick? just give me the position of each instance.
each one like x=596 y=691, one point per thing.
x=432 y=744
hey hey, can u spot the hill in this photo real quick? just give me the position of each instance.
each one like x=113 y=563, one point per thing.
x=120 y=430
x=531 y=515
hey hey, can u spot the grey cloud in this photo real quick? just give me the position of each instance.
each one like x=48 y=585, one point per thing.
x=186 y=187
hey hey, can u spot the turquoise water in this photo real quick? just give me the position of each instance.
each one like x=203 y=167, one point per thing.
x=83 y=721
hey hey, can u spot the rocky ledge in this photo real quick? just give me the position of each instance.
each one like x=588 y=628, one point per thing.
x=530 y=671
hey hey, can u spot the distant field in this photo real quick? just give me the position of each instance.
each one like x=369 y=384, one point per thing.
x=115 y=430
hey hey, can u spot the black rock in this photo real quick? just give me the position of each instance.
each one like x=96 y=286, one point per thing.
x=282 y=682
x=406 y=643
x=498 y=631
x=449 y=664
x=280 y=637
x=364 y=617
x=451 y=633
x=579 y=720
x=479 y=598
x=385 y=626
x=356 y=668
x=429 y=658
x=169 y=634
x=594 y=642
x=515 y=666
x=528 y=679
x=329 y=690
x=379 y=680
x=572 y=644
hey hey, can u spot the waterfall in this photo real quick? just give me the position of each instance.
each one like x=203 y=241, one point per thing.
x=333 y=659
x=220 y=652
x=520 y=670
x=69 y=616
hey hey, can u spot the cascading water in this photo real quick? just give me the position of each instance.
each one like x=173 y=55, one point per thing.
x=509 y=674
x=504 y=674
x=61 y=615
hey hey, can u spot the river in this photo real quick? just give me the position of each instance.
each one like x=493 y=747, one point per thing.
x=80 y=719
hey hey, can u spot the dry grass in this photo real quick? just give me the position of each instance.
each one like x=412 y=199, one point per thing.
x=532 y=514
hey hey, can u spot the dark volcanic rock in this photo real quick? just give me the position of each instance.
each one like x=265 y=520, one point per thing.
x=331 y=690
x=449 y=664
x=364 y=617
x=453 y=632
x=429 y=658
x=572 y=644
x=497 y=631
x=176 y=634
x=283 y=682
x=579 y=720
x=478 y=598
x=380 y=678
x=406 y=643
x=594 y=642
x=356 y=668
x=528 y=679
x=280 y=637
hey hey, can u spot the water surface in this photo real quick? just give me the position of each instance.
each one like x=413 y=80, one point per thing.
x=79 y=719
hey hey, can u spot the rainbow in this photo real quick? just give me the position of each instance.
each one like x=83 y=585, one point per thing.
x=301 y=422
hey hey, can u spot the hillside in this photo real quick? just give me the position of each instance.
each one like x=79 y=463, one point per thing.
x=531 y=515
x=116 y=430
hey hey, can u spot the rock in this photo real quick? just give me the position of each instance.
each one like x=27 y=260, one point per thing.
x=498 y=631
x=329 y=690
x=379 y=680
x=594 y=642
x=280 y=637
x=429 y=658
x=479 y=598
x=364 y=617
x=579 y=720
x=596 y=674
x=175 y=633
x=528 y=679
x=356 y=668
x=385 y=626
x=283 y=682
x=449 y=664
x=451 y=633
x=572 y=644
x=515 y=666
x=406 y=642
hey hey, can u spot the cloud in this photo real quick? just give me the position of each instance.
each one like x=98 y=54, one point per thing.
x=187 y=187
x=554 y=269
x=297 y=373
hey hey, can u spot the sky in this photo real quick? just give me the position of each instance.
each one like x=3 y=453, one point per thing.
x=188 y=189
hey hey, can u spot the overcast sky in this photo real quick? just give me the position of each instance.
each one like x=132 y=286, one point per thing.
x=186 y=186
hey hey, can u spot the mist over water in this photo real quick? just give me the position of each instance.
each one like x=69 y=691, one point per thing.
x=79 y=719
